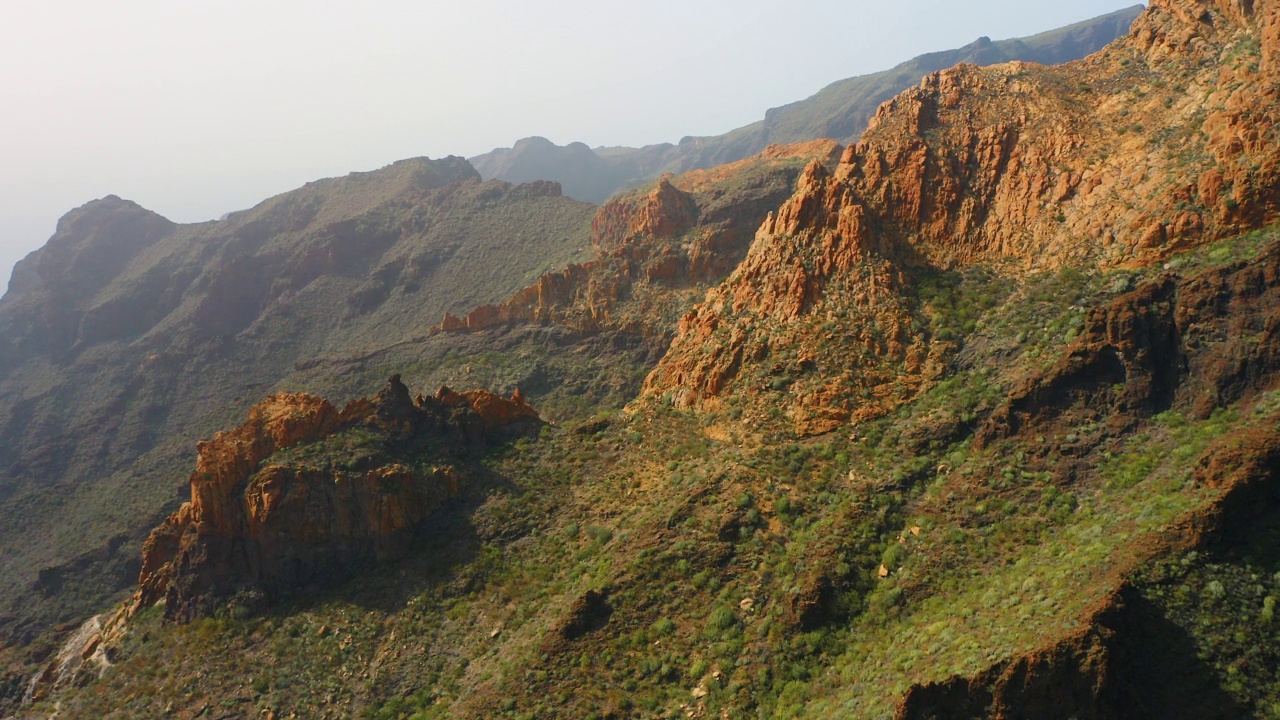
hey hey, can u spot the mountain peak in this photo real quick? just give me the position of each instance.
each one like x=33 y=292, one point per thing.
x=91 y=244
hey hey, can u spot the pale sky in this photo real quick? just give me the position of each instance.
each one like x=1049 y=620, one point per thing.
x=194 y=108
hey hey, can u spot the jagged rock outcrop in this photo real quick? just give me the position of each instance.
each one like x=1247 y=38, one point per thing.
x=815 y=248
x=262 y=523
x=654 y=246
x=1164 y=140
x=662 y=213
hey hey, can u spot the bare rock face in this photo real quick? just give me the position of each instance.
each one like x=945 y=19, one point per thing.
x=497 y=412
x=263 y=523
x=82 y=657
x=814 y=272
x=1164 y=140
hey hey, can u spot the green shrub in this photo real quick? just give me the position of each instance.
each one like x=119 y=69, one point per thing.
x=894 y=556
x=721 y=619
x=1215 y=590
x=663 y=626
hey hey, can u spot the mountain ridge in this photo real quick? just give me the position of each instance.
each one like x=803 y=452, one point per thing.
x=1006 y=165
x=102 y=381
x=979 y=420
x=838 y=111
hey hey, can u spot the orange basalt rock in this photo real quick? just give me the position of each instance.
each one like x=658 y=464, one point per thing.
x=664 y=212
x=451 y=323
x=278 y=422
x=1108 y=161
x=449 y=397
x=496 y=411
x=262 y=525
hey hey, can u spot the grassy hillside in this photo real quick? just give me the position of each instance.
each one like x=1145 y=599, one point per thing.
x=981 y=421
x=746 y=572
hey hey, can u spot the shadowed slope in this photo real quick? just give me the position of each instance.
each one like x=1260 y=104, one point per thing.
x=127 y=337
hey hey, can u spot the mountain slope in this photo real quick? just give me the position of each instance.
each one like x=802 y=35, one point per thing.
x=658 y=248
x=983 y=424
x=1163 y=141
x=128 y=336
x=839 y=111
x=842 y=109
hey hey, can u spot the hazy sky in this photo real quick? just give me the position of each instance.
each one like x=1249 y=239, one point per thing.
x=194 y=108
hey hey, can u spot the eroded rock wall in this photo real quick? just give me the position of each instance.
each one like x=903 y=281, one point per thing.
x=261 y=524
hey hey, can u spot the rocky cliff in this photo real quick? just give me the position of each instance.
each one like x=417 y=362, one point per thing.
x=263 y=522
x=1164 y=140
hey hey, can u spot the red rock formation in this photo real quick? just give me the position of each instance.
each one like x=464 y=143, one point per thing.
x=499 y=412
x=663 y=213
x=826 y=151
x=1164 y=140
x=816 y=238
x=450 y=323
x=261 y=525
x=279 y=422
x=495 y=411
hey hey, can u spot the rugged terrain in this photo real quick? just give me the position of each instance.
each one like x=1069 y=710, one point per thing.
x=839 y=111
x=975 y=417
x=658 y=248
x=128 y=337
x=1117 y=160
